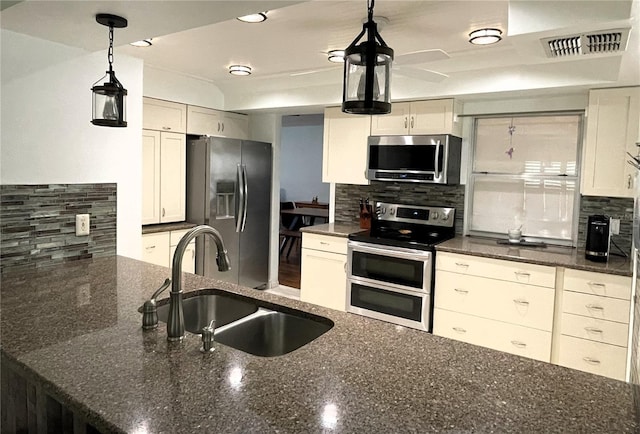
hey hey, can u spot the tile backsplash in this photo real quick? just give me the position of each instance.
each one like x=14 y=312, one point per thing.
x=37 y=225
x=347 y=197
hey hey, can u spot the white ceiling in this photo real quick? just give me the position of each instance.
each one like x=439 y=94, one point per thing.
x=201 y=39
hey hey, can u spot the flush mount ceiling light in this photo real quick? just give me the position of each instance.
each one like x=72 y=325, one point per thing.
x=109 y=108
x=335 y=56
x=367 y=72
x=239 y=70
x=254 y=18
x=142 y=43
x=485 y=36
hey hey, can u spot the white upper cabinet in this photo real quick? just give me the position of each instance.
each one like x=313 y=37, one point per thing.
x=344 y=151
x=164 y=115
x=209 y=122
x=163 y=177
x=438 y=116
x=613 y=128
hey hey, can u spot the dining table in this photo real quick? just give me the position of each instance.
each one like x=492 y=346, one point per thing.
x=312 y=213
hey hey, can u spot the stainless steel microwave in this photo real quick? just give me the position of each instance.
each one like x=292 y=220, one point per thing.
x=429 y=159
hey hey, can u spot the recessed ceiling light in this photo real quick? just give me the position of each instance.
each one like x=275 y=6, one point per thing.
x=485 y=36
x=239 y=70
x=336 y=56
x=254 y=18
x=142 y=43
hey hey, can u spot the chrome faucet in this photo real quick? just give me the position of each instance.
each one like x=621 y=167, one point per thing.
x=175 y=323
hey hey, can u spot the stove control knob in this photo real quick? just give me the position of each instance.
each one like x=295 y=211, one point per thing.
x=392 y=211
x=383 y=210
x=445 y=216
x=435 y=215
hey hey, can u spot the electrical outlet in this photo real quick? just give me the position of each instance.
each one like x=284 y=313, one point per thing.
x=615 y=226
x=82 y=224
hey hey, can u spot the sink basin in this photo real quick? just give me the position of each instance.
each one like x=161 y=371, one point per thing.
x=246 y=324
x=204 y=306
x=270 y=333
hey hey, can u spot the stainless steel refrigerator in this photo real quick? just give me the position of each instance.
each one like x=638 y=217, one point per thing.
x=229 y=188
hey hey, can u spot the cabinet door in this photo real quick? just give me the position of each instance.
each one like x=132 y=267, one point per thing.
x=155 y=248
x=344 y=150
x=203 y=121
x=172 y=177
x=394 y=123
x=189 y=258
x=612 y=130
x=164 y=115
x=432 y=117
x=235 y=126
x=323 y=279
x=150 y=177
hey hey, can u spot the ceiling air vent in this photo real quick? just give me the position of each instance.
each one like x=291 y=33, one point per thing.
x=600 y=42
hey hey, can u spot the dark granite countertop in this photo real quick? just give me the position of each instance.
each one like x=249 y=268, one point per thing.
x=551 y=255
x=334 y=229
x=164 y=227
x=76 y=328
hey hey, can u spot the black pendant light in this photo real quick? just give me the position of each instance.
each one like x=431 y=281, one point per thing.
x=367 y=72
x=109 y=98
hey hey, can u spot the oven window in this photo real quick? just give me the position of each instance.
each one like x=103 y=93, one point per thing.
x=405 y=272
x=409 y=157
x=388 y=302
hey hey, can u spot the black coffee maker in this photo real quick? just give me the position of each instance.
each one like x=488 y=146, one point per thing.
x=598 y=238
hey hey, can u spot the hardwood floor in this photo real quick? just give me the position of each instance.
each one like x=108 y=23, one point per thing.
x=289 y=268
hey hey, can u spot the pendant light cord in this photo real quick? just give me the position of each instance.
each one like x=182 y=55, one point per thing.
x=110 y=52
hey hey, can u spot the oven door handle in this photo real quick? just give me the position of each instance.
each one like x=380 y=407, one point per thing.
x=436 y=159
x=396 y=252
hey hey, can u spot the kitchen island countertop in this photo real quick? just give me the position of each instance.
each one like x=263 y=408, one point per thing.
x=76 y=330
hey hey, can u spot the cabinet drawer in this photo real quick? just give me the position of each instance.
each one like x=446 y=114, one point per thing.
x=611 y=309
x=515 y=303
x=324 y=242
x=593 y=329
x=510 y=271
x=176 y=236
x=155 y=248
x=514 y=339
x=588 y=282
x=594 y=357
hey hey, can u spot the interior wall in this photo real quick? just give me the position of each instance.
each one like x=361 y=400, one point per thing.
x=171 y=86
x=301 y=159
x=47 y=137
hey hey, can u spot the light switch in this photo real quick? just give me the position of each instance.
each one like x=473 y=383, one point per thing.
x=82 y=224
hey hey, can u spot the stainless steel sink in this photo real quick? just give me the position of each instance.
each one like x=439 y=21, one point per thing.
x=207 y=305
x=246 y=324
x=270 y=333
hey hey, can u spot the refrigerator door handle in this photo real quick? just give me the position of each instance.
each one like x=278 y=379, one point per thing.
x=245 y=197
x=239 y=202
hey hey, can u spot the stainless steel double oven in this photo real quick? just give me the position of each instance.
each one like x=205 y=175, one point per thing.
x=390 y=269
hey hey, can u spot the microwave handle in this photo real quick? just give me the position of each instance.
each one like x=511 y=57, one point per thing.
x=436 y=159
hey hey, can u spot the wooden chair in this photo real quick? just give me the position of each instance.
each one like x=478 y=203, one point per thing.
x=289 y=229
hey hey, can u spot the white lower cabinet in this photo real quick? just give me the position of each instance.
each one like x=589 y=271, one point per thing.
x=594 y=325
x=323 y=279
x=158 y=248
x=504 y=305
x=510 y=338
x=509 y=306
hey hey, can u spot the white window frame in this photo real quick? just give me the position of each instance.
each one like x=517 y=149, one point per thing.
x=472 y=176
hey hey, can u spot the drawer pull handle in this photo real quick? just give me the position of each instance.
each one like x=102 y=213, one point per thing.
x=323 y=243
x=461 y=291
x=521 y=302
x=462 y=264
x=594 y=307
x=166 y=128
x=150 y=247
x=522 y=274
x=591 y=360
x=459 y=329
x=518 y=344
x=593 y=330
x=597 y=285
